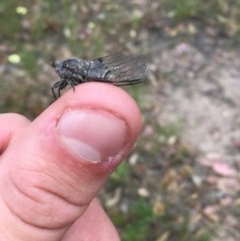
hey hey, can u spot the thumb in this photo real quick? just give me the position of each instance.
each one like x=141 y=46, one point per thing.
x=51 y=172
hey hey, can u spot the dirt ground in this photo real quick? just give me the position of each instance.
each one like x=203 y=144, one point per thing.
x=206 y=99
x=201 y=92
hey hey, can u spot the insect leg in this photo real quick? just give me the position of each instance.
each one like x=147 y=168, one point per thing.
x=54 y=95
x=55 y=86
x=75 y=80
x=59 y=85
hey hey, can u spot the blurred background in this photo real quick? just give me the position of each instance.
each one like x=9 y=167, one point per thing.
x=182 y=180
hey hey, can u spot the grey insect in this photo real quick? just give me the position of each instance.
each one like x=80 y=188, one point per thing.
x=117 y=69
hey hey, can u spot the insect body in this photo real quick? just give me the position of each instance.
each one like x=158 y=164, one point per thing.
x=117 y=69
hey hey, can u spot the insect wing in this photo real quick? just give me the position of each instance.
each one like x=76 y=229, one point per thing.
x=125 y=70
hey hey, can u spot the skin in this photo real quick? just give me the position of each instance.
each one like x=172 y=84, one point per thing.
x=48 y=181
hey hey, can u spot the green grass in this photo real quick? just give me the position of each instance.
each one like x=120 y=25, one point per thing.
x=120 y=174
x=223 y=16
x=140 y=223
x=137 y=223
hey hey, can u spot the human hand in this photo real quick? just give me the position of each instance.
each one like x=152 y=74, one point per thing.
x=52 y=169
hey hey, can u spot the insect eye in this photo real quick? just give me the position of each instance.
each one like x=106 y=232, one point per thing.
x=53 y=64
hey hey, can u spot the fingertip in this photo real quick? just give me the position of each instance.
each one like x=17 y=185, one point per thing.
x=102 y=96
x=13 y=119
x=15 y=124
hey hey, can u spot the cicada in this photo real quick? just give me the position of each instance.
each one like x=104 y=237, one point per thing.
x=116 y=69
